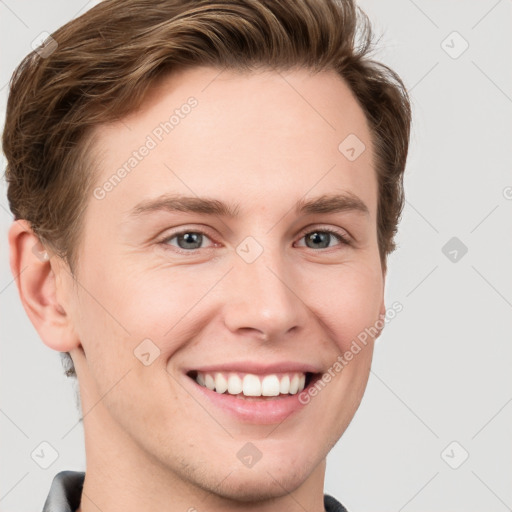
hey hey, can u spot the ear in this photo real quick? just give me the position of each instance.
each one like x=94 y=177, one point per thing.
x=42 y=280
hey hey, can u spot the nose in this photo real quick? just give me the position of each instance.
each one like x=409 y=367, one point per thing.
x=261 y=300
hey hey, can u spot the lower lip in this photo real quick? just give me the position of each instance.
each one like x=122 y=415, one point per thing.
x=265 y=411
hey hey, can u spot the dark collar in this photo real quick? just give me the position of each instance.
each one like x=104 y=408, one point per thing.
x=65 y=492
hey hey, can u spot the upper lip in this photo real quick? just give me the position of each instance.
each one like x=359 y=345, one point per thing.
x=257 y=368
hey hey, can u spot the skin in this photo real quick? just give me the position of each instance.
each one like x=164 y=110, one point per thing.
x=252 y=140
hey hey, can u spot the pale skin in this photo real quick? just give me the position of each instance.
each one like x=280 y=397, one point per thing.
x=152 y=442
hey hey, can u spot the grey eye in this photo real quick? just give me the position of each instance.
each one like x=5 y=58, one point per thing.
x=318 y=239
x=189 y=240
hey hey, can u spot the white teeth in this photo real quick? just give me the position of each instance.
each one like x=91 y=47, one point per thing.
x=284 y=385
x=234 y=384
x=221 y=384
x=302 y=382
x=294 y=385
x=253 y=385
x=209 y=382
x=270 y=386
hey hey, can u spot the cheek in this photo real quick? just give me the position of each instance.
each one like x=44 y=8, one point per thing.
x=348 y=300
x=120 y=307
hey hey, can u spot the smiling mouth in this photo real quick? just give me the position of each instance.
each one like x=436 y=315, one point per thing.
x=252 y=386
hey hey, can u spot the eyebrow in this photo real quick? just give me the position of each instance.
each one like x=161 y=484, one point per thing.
x=332 y=203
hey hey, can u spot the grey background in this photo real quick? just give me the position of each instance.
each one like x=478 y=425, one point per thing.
x=442 y=368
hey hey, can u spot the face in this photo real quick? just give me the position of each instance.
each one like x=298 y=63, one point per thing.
x=238 y=249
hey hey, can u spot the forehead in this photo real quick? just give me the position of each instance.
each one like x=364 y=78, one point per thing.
x=242 y=137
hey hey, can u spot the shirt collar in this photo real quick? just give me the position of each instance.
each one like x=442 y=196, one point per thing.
x=65 y=492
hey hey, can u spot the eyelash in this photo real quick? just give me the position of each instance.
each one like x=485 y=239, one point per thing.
x=342 y=238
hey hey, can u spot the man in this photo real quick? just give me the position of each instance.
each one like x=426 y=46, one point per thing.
x=205 y=196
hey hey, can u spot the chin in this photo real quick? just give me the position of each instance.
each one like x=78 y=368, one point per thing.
x=270 y=478
x=250 y=485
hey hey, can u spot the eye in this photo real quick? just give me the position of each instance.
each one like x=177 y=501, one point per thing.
x=186 y=240
x=322 y=238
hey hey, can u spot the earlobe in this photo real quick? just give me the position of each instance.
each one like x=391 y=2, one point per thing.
x=39 y=286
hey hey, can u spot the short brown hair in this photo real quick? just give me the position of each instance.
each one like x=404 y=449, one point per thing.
x=107 y=59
